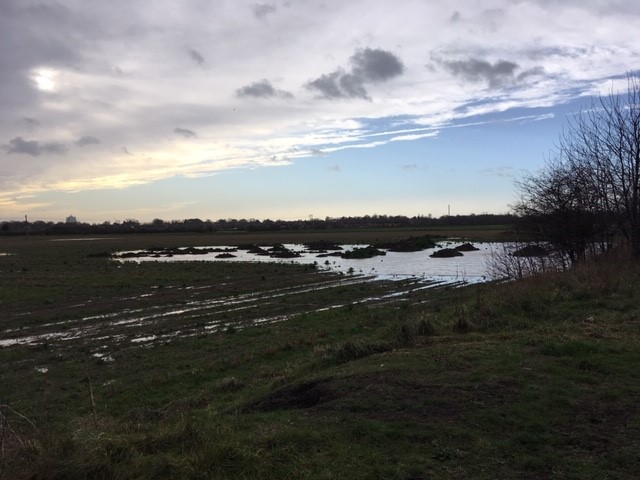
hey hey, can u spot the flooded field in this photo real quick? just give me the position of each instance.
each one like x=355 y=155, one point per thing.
x=470 y=267
x=77 y=294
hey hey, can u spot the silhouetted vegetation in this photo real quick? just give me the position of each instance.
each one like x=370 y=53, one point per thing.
x=587 y=198
x=446 y=253
x=196 y=225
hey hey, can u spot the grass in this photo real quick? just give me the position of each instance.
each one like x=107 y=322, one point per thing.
x=530 y=379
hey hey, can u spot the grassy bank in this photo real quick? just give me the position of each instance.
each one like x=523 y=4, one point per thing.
x=534 y=379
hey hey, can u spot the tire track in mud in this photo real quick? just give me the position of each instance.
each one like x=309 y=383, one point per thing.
x=197 y=315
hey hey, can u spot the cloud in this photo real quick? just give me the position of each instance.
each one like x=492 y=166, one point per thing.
x=411 y=167
x=367 y=66
x=376 y=65
x=353 y=86
x=414 y=136
x=185 y=132
x=503 y=172
x=473 y=70
x=455 y=17
x=196 y=56
x=125 y=150
x=261 y=10
x=335 y=168
x=327 y=85
x=87 y=140
x=262 y=89
x=34 y=148
x=30 y=122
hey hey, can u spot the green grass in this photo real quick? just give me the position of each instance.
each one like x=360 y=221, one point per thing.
x=531 y=379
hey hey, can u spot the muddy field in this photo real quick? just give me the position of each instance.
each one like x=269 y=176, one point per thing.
x=69 y=291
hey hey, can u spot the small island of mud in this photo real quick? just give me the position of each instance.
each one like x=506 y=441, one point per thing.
x=411 y=244
x=446 y=253
x=467 y=247
x=365 y=252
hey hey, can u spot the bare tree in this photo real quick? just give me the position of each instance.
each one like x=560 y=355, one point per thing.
x=602 y=148
x=589 y=191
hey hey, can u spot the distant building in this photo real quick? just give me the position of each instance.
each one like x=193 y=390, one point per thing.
x=71 y=219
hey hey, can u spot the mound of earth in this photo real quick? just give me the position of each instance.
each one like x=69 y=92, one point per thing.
x=280 y=251
x=366 y=252
x=446 y=253
x=411 y=244
x=322 y=246
x=467 y=247
x=225 y=255
x=256 y=250
x=332 y=254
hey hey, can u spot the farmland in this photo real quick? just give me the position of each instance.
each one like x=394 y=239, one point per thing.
x=238 y=370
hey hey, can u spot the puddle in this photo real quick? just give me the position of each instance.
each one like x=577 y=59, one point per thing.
x=148 y=338
x=105 y=357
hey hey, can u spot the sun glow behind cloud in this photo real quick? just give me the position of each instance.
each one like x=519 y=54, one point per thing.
x=44 y=79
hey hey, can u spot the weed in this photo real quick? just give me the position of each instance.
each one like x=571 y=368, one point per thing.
x=356 y=349
x=229 y=384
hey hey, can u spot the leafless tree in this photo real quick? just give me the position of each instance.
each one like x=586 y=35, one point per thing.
x=589 y=192
x=602 y=145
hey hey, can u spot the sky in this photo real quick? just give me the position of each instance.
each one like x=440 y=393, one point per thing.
x=176 y=109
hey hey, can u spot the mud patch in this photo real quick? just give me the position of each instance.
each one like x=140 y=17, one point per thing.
x=297 y=396
x=385 y=396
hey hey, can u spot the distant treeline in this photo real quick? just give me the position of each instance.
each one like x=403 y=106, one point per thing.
x=195 y=225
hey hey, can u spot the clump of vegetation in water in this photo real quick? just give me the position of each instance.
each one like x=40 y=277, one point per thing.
x=411 y=244
x=322 y=246
x=467 y=247
x=365 y=252
x=280 y=251
x=446 y=253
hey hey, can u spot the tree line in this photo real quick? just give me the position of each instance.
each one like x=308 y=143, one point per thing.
x=196 y=225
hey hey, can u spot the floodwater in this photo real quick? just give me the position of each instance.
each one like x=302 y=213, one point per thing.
x=472 y=267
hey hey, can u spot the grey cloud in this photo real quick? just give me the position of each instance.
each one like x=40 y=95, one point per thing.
x=474 y=70
x=31 y=37
x=34 y=148
x=367 y=66
x=87 y=140
x=410 y=167
x=262 y=89
x=335 y=168
x=196 y=56
x=185 y=132
x=532 y=72
x=455 y=17
x=376 y=65
x=125 y=150
x=327 y=85
x=261 y=10
x=353 y=86
x=31 y=122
